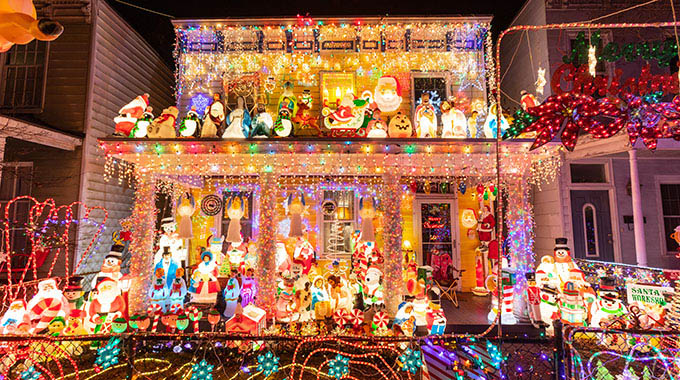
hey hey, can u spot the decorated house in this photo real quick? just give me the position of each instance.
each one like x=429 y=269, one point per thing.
x=616 y=199
x=351 y=161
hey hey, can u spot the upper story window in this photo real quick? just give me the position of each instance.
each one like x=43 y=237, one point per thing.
x=588 y=173
x=670 y=206
x=23 y=77
x=339 y=223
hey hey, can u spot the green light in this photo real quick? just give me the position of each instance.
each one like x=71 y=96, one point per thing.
x=158 y=148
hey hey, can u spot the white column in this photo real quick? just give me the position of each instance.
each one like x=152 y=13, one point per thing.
x=638 y=218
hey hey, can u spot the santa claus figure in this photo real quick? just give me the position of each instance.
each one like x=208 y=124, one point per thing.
x=111 y=266
x=128 y=115
x=48 y=303
x=485 y=226
x=387 y=94
x=14 y=316
x=304 y=254
x=107 y=303
x=527 y=100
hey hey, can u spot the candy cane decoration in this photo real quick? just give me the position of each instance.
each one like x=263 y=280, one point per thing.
x=175 y=309
x=195 y=316
x=341 y=317
x=156 y=311
x=380 y=320
x=356 y=317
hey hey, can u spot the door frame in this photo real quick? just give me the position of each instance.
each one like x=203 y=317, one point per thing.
x=613 y=204
x=452 y=199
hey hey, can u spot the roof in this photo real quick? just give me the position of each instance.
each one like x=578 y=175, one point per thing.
x=39 y=134
x=355 y=20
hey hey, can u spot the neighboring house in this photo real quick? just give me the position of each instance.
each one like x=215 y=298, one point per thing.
x=56 y=99
x=593 y=202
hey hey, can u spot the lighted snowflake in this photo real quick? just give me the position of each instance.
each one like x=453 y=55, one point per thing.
x=339 y=366
x=202 y=371
x=107 y=356
x=268 y=363
x=31 y=374
x=411 y=360
x=201 y=101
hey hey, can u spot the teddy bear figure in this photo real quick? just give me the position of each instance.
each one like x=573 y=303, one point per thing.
x=163 y=126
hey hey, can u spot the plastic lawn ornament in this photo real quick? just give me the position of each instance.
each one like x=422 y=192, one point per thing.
x=202 y=371
x=19 y=25
x=107 y=356
x=182 y=322
x=338 y=367
x=195 y=315
x=411 y=360
x=268 y=363
x=462 y=187
x=134 y=321
x=31 y=374
x=119 y=325
x=213 y=318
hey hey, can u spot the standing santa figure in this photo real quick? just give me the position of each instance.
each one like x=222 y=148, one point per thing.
x=485 y=227
x=48 y=303
x=107 y=304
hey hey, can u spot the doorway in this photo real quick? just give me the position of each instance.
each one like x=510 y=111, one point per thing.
x=436 y=234
x=591 y=222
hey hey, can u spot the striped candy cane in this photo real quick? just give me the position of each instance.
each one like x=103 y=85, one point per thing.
x=155 y=310
x=195 y=316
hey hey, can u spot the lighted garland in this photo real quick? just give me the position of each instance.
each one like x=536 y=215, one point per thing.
x=266 y=243
x=392 y=237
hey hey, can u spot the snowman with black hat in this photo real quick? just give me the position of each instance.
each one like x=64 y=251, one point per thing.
x=608 y=306
x=111 y=266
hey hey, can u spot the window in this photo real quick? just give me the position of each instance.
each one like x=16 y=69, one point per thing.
x=590 y=230
x=588 y=173
x=670 y=205
x=16 y=181
x=339 y=223
x=23 y=77
x=246 y=220
x=436 y=86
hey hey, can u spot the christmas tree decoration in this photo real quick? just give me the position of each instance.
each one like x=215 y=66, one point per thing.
x=107 y=356
x=411 y=360
x=268 y=363
x=338 y=367
x=202 y=371
x=521 y=120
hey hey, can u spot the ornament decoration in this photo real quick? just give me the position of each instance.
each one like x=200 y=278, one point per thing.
x=268 y=363
x=202 y=371
x=211 y=205
x=341 y=317
x=338 y=367
x=107 y=356
x=411 y=360
x=356 y=317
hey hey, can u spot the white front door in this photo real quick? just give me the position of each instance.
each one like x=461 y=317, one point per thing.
x=436 y=233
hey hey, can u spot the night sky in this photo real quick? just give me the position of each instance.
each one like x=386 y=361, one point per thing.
x=158 y=29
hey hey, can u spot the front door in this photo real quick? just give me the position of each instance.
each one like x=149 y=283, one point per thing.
x=591 y=220
x=437 y=237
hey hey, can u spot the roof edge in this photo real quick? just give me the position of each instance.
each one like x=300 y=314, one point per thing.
x=336 y=19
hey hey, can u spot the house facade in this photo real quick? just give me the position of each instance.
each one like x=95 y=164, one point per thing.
x=56 y=99
x=594 y=202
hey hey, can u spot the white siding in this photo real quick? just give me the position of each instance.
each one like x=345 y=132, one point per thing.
x=124 y=66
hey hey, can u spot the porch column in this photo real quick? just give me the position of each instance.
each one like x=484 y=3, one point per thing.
x=392 y=236
x=638 y=217
x=266 y=244
x=141 y=247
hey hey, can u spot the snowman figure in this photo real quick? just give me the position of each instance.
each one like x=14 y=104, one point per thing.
x=549 y=307
x=608 y=306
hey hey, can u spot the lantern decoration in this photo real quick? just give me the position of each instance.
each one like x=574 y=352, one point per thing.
x=202 y=371
x=338 y=367
x=268 y=363
x=107 y=356
x=411 y=360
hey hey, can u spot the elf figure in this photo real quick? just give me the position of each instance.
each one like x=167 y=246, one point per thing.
x=425 y=117
x=214 y=117
x=74 y=323
x=608 y=306
x=231 y=294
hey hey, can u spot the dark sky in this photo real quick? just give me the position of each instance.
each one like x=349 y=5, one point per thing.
x=158 y=30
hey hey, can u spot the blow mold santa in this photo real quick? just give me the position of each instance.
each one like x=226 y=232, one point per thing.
x=128 y=115
x=48 y=302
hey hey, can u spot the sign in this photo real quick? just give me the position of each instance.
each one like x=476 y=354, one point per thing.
x=647 y=294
